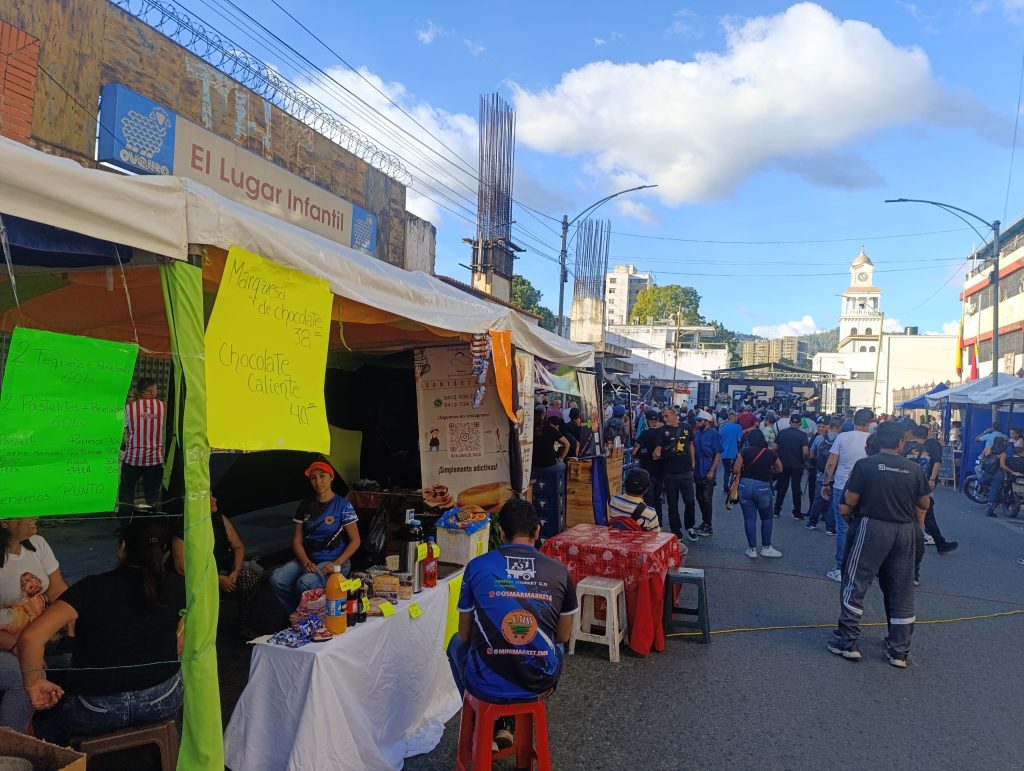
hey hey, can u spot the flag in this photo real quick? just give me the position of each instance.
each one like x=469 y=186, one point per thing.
x=974 y=361
x=960 y=349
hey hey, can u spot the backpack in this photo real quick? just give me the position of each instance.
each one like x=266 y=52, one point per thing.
x=824 y=450
x=990 y=463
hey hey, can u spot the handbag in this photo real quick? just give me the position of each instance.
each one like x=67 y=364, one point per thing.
x=734 y=489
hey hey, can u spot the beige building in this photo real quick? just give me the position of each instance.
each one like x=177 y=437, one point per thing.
x=622 y=284
x=773 y=351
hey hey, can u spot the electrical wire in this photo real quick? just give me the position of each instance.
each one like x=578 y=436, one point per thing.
x=1013 y=145
x=787 y=243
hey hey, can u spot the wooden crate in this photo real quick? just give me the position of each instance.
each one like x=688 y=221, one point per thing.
x=579 y=507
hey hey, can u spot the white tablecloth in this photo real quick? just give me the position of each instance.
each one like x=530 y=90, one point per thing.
x=379 y=693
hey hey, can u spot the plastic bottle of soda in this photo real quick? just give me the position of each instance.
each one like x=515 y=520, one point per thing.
x=360 y=594
x=430 y=566
x=352 y=606
x=335 y=619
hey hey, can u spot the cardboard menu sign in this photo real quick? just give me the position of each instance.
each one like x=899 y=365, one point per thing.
x=62 y=404
x=266 y=356
x=463 y=449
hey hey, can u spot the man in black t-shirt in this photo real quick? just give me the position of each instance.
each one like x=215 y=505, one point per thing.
x=675 y=453
x=927 y=453
x=644 y=451
x=890 y=495
x=792 y=447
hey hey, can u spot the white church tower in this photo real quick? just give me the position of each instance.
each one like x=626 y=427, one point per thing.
x=860 y=318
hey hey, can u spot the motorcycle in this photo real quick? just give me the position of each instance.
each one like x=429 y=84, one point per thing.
x=1010 y=496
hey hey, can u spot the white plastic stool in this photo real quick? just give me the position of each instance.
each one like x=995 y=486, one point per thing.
x=614 y=593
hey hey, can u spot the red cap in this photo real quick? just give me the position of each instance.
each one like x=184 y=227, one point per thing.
x=319 y=465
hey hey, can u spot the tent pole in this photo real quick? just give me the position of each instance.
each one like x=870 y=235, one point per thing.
x=202 y=741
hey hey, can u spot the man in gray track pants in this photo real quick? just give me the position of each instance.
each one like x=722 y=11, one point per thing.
x=890 y=495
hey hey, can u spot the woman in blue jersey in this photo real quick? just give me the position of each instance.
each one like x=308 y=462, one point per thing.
x=326 y=534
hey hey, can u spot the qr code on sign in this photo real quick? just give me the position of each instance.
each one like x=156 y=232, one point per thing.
x=464 y=439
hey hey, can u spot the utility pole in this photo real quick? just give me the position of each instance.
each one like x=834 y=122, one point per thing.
x=675 y=358
x=993 y=277
x=878 y=361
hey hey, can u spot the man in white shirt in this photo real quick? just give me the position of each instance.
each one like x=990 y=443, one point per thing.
x=848 y=448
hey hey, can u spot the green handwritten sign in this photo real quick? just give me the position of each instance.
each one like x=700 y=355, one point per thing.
x=61 y=423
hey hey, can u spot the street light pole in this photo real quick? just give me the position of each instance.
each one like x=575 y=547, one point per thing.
x=563 y=276
x=993 y=277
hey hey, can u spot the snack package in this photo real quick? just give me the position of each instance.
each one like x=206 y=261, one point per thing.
x=313 y=602
x=468 y=519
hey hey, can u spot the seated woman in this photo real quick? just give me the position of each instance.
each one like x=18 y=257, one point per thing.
x=29 y=579
x=128 y=635
x=326 y=534
x=234 y=577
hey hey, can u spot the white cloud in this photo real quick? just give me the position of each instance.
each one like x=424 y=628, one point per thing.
x=791 y=91
x=599 y=41
x=682 y=24
x=948 y=328
x=637 y=211
x=892 y=325
x=473 y=47
x=430 y=33
x=457 y=131
x=804 y=326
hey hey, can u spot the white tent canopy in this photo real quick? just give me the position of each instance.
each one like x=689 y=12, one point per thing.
x=960 y=394
x=164 y=215
x=1009 y=390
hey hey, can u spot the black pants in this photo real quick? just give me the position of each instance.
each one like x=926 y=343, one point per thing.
x=790 y=477
x=705 y=494
x=812 y=480
x=655 y=493
x=676 y=485
x=727 y=464
x=932 y=528
x=152 y=478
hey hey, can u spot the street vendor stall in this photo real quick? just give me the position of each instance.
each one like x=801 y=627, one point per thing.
x=310 y=296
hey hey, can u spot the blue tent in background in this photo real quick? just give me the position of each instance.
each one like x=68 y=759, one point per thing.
x=919 y=402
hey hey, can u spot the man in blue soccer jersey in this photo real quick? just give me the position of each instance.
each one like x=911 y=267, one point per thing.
x=515 y=612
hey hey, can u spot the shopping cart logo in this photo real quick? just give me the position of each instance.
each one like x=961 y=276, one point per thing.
x=520 y=568
x=135 y=133
x=364 y=230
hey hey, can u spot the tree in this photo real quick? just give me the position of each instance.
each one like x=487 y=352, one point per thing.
x=526 y=296
x=662 y=302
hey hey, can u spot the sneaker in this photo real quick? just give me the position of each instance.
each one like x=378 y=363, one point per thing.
x=503 y=738
x=829 y=532
x=928 y=540
x=917 y=582
x=990 y=512
x=851 y=654
x=896 y=659
x=835 y=574
x=809 y=526
x=751 y=553
x=777 y=514
x=691 y=534
x=946 y=547
x=705 y=530
x=797 y=515
x=770 y=551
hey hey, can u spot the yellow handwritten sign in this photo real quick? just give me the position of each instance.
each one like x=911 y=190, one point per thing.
x=421 y=552
x=437 y=551
x=387 y=609
x=451 y=626
x=366 y=604
x=266 y=354
x=414 y=610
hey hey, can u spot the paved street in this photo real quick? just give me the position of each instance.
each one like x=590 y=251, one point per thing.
x=778 y=699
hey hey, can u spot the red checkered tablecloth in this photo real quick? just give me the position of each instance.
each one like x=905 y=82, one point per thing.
x=640 y=559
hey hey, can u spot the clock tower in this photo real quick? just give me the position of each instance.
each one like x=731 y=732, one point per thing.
x=860 y=317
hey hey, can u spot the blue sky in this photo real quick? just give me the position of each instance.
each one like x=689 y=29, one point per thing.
x=759 y=122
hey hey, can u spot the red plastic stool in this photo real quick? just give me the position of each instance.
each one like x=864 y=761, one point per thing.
x=476 y=735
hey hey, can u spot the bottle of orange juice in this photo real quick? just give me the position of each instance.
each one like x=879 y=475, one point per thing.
x=336 y=619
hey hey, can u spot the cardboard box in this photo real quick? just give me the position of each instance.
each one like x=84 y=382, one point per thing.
x=44 y=756
x=459 y=548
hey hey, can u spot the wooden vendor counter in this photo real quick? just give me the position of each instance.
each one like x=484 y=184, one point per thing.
x=579 y=498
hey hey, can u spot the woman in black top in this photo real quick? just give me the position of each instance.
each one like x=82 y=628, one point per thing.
x=754 y=466
x=128 y=636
